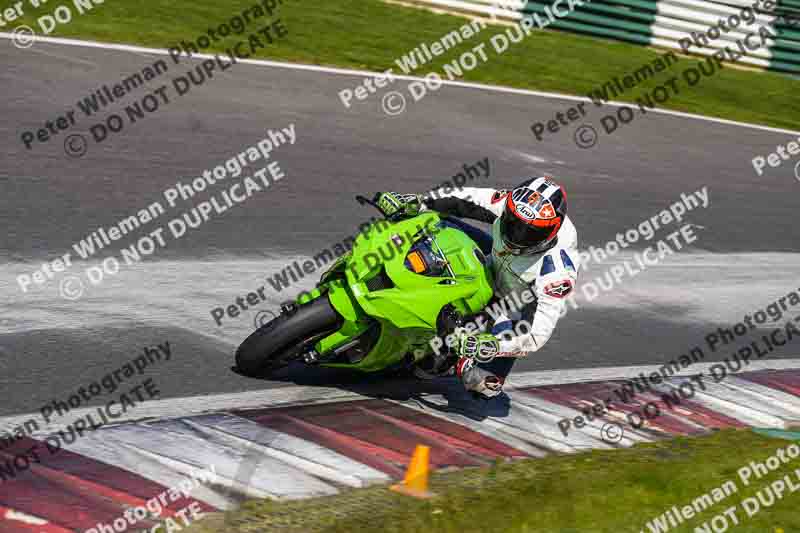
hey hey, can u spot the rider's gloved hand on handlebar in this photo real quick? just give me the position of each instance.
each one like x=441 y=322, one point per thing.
x=395 y=206
x=482 y=347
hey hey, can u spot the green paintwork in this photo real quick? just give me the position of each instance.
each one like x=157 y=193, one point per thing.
x=408 y=312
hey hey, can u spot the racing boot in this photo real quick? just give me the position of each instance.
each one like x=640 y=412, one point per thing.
x=478 y=380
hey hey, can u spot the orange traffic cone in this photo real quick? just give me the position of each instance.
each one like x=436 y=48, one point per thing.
x=416 y=481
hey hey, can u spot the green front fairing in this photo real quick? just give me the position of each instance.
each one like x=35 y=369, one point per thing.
x=407 y=312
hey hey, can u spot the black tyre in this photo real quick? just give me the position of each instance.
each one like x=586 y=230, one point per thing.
x=285 y=338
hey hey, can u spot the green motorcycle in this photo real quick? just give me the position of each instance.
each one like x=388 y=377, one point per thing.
x=379 y=306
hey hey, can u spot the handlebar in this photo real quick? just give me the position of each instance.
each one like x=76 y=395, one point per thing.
x=363 y=200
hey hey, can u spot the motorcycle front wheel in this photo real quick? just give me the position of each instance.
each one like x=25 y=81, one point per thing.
x=286 y=337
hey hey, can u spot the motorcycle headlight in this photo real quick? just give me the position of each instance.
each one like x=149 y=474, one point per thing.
x=416 y=262
x=423 y=260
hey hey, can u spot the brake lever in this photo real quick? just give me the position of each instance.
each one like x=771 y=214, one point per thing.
x=451 y=320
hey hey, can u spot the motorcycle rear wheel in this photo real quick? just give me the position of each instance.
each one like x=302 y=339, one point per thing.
x=286 y=337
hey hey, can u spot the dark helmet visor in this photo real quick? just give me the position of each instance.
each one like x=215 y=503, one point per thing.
x=519 y=235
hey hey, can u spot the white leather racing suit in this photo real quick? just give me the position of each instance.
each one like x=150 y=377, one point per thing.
x=528 y=319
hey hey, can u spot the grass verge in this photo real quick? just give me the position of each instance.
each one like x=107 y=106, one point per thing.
x=369 y=34
x=599 y=491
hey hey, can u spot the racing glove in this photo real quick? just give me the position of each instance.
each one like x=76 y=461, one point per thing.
x=395 y=206
x=482 y=347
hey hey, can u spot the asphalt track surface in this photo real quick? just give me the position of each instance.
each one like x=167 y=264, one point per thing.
x=746 y=255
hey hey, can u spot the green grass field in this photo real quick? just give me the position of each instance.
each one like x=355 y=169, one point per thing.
x=369 y=34
x=610 y=491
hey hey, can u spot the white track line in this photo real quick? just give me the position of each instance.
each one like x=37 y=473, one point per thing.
x=367 y=73
x=299 y=395
x=562 y=377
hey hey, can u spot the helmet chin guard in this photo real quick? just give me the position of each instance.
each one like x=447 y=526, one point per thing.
x=514 y=250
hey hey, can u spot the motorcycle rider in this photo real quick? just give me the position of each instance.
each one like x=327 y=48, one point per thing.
x=533 y=247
